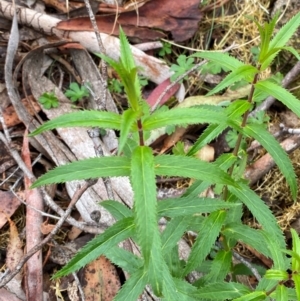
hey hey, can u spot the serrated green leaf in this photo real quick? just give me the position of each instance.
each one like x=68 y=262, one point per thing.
x=174 y=263
x=276 y=275
x=86 y=169
x=221 y=291
x=292 y=294
x=183 y=116
x=160 y=277
x=185 y=290
x=190 y=205
x=245 y=72
x=133 y=287
x=254 y=296
x=222 y=59
x=125 y=51
x=102 y=243
x=129 y=117
x=101 y=119
x=296 y=279
x=116 y=209
x=208 y=234
x=247 y=235
x=166 y=165
x=296 y=250
x=279 y=260
x=145 y=204
x=281 y=293
x=209 y=134
x=220 y=268
x=129 y=146
x=260 y=211
x=293 y=51
x=132 y=89
x=285 y=32
x=173 y=232
x=234 y=110
x=276 y=151
x=124 y=259
x=281 y=94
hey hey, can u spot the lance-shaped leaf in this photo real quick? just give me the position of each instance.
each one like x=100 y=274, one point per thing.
x=86 y=169
x=285 y=32
x=133 y=287
x=173 y=232
x=210 y=230
x=116 y=209
x=281 y=293
x=296 y=250
x=280 y=261
x=246 y=72
x=124 y=259
x=102 y=243
x=260 y=211
x=190 y=205
x=219 y=269
x=281 y=94
x=247 y=235
x=183 y=116
x=100 y=119
x=276 y=151
x=254 y=296
x=181 y=166
x=234 y=111
x=127 y=71
x=129 y=117
x=222 y=59
x=220 y=291
x=145 y=204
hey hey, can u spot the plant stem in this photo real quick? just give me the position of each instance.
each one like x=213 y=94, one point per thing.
x=140 y=129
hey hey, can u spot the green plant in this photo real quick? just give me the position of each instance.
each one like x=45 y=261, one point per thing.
x=221 y=227
x=166 y=49
x=48 y=100
x=75 y=92
x=114 y=85
x=183 y=65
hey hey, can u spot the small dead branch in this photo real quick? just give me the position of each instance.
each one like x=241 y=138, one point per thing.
x=257 y=170
x=47 y=239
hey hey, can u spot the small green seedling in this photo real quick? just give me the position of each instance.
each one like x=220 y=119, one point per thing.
x=75 y=92
x=183 y=65
x=48 y=100
x=166 y=49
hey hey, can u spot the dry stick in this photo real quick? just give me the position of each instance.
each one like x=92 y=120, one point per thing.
x=47 y=239
x=94 y=133
x=47 y=198
x=103 y=98
x=247 y=264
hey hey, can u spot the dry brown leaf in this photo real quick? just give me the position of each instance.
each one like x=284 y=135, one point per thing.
x=8 y=205
x=14 y=249
x=101 y=281
x=10 y=116
x=180 y=18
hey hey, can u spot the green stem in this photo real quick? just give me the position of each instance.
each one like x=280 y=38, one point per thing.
x=240 y=136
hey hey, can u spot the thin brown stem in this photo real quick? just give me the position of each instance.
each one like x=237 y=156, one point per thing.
x=141 y=134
